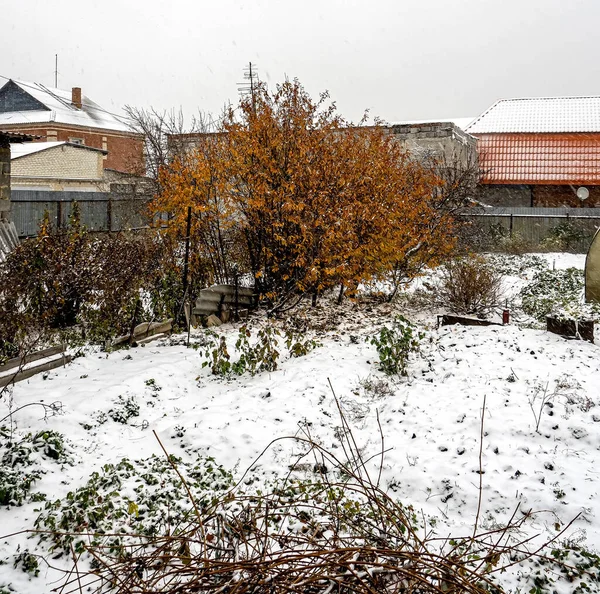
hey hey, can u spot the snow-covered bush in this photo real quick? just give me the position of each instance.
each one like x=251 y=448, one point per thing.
x=395 y=344
x=557 y=292
x=512 y=265
x=21 y=466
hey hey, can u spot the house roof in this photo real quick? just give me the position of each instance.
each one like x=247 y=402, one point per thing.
x=558 y=158
x=23 y=150
x=57 y=107
x=539 y=115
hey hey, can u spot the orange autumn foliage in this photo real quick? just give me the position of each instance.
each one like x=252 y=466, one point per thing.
x=288 y=191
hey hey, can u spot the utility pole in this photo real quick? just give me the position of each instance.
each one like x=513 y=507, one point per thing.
x=56 y=71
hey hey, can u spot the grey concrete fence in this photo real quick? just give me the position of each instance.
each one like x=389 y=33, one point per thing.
x=100 y=211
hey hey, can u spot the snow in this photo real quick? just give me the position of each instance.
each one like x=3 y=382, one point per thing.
x=60 y=110
x=431 y=421
x=461 y=123
x=21 y=150
x=539 y=114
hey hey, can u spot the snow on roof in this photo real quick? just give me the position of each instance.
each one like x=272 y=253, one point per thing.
x=22 y=150
x=61 y=110
x=539 y=114
x=461 y=123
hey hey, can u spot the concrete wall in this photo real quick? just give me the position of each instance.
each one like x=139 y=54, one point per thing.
x=437 y=139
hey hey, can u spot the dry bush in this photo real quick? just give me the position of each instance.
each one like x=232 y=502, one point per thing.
x=72 y=285
x=341 y=533
x=469 y=285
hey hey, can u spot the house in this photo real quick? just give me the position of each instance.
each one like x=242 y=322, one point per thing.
x=57 y=166
x=540 y=152
x=443 y=139
x=56 y=115
x=427 y=138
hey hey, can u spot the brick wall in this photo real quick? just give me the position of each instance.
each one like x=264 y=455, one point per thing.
x=553 y=196
x=125 y=151
x=60 y=162
x=541 y=195
x=4 y=182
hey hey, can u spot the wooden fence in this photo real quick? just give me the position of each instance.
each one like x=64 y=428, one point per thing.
x=536 y=224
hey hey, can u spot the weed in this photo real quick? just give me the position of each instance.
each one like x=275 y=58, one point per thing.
x=125 y=409
x=27 y=562
x=394 y=346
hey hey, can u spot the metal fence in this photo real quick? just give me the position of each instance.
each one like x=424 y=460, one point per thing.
x=100 y=211
x=534 y=225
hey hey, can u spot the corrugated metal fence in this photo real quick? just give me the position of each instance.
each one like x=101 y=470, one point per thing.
x=536 y=224
x=100 y=211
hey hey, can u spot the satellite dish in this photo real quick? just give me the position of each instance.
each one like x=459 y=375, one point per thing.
x=583 y=193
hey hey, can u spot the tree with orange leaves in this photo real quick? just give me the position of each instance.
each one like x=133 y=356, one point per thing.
x=290 y=192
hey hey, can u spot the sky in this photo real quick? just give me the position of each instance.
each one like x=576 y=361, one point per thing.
x=400 y=59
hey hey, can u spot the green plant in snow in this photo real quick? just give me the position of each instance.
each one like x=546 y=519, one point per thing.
x=262 y=355
x=254 y=357
x=517 y=265
x=297 y=345
x=134 y=497
x=27 y=562
x=553 y=291
x=216 y=354
x=20 y=466
x=125 y=409
x=395 y=344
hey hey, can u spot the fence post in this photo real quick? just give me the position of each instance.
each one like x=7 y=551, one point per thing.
x=109 y=213
x=511 y=225
x=59 y=213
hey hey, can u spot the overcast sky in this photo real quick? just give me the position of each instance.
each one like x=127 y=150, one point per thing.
x=401 y=59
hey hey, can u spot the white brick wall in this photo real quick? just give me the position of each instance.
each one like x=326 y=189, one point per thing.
x=60 y=162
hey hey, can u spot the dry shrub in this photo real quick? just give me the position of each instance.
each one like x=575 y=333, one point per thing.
x=71 y=284
x=340 y=533
x=470 y=285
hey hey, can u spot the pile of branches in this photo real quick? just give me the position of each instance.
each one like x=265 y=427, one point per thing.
x=340 y=534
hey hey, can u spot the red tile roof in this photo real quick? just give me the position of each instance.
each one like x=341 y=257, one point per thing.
x=540 y=158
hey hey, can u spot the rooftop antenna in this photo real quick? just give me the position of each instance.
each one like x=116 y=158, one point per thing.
x=56 y=71
x=248 y=87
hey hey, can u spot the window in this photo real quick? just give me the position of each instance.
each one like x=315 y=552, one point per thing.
x=74 y=140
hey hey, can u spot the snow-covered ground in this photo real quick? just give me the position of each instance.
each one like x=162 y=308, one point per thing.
x=431 y=421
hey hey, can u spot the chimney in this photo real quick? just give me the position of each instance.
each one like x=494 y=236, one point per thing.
x=76 y=97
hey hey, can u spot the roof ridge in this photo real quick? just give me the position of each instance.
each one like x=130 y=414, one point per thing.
x=548 y=98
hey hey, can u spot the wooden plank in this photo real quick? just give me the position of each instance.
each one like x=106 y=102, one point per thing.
x=24 y=374
x=17 y=361
x=449 y=320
